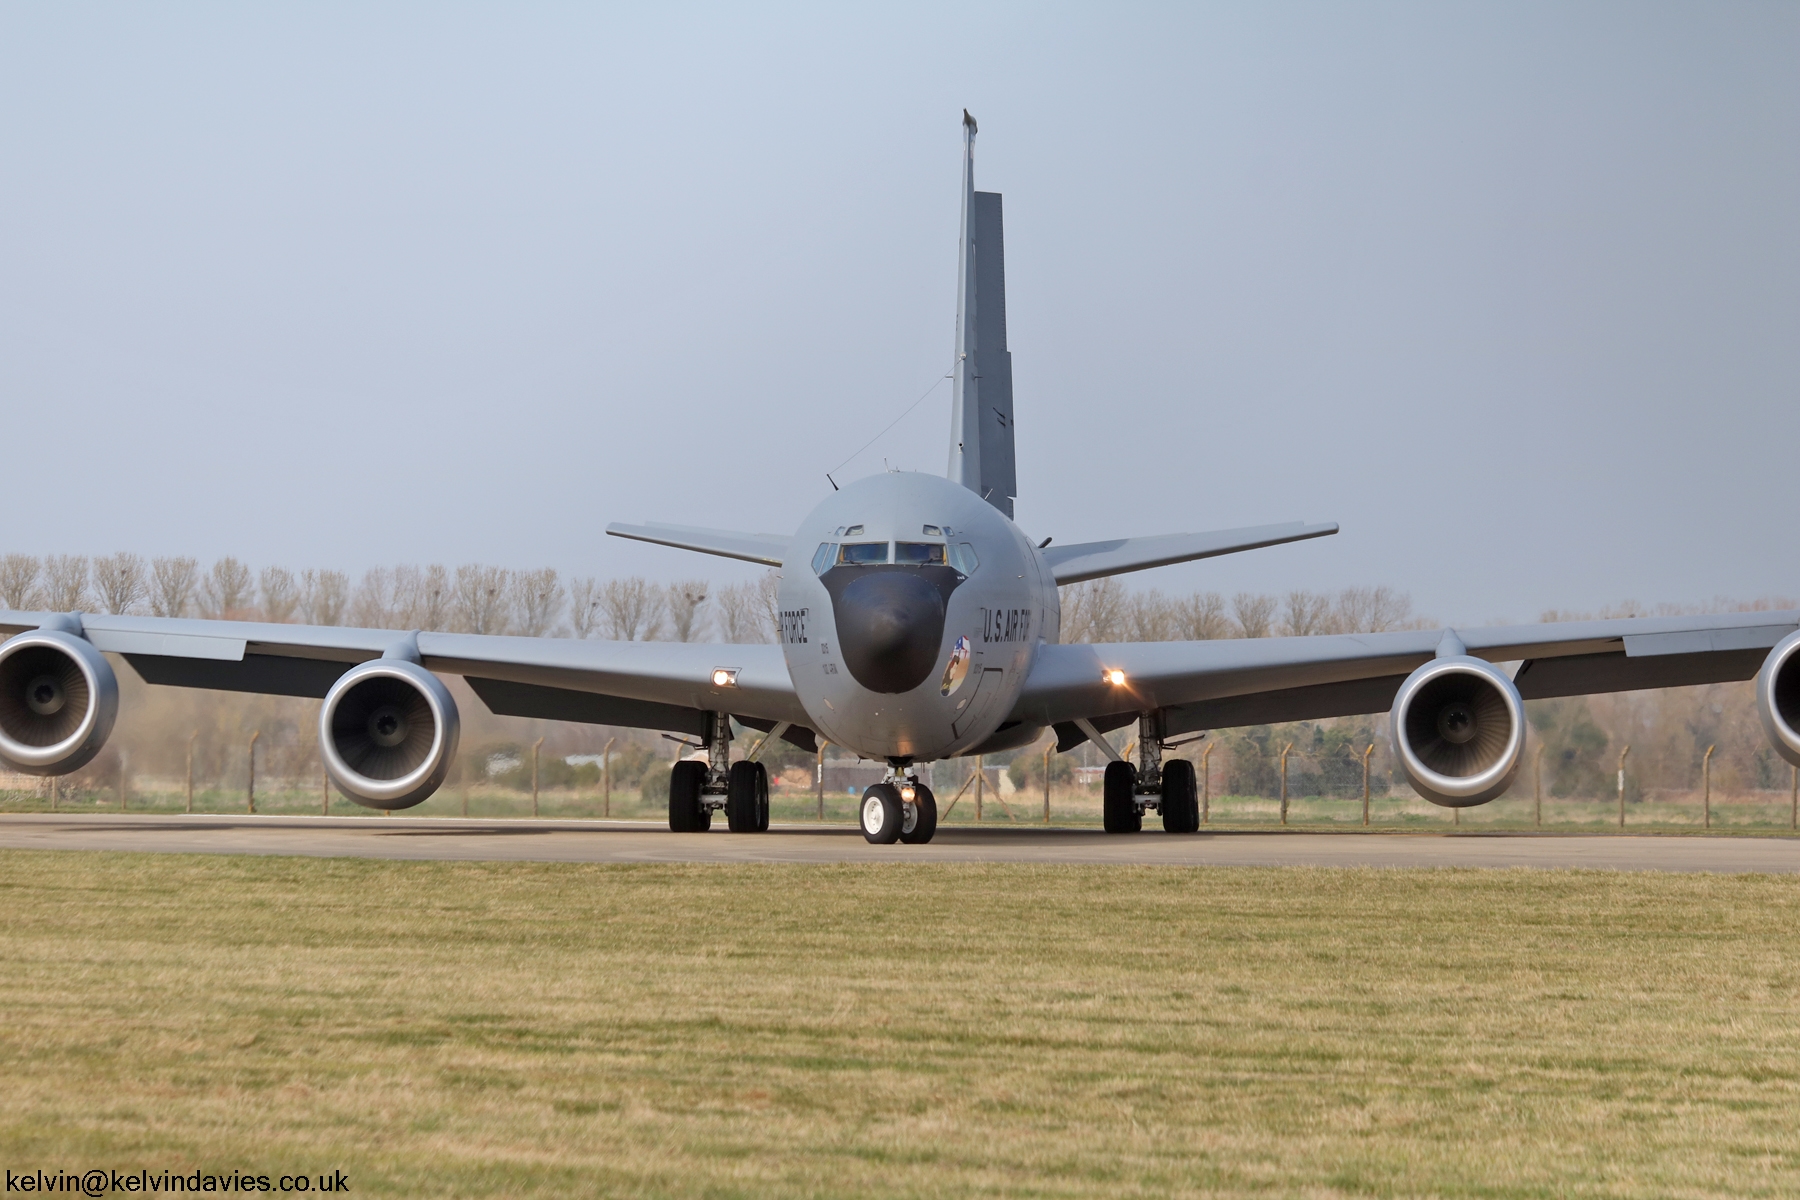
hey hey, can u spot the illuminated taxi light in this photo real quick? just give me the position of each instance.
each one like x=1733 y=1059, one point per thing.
x=724 y=677
x=909 y=793
x=1116 y=677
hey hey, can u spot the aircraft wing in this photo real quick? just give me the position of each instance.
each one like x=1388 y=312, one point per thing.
x=648 y=685
x=1254 y=681
x=766 y=548
x=1091 y=560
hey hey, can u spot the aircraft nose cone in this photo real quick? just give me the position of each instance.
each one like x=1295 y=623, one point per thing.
x=889 y=626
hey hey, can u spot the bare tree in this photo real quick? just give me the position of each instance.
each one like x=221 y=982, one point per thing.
x=480 y=599
x=324 y=597
x=172 y=585
x=18 y=580
x=682 y=601
x=1150 y=617
x=1307 y=613
x=1372 y=610
x=226 y=591
x=1094 y=611
x=737 y=615
x=584 y=606
x=424 y=597
x=538 y=600
x=65 y=582
x=376 y=603
x=768 y=595
x=1201 y=617
x=120 y=581
x=631 y=609
x=1255 y=614
x=280 y=594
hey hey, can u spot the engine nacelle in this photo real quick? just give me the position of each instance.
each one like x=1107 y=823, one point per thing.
x=1458 y=729
x=1778 y=697
x=388 y=733
x=58 y=700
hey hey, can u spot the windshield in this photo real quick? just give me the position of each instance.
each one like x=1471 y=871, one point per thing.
x=919 y=554
x=862 y=554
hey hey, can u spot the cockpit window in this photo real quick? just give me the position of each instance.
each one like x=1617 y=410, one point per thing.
x=823 y=556
x=919 y=554
x=932 y=531
x=962 y=557
x=862 y=554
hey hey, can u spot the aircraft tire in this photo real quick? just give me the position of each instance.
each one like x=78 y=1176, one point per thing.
x=925 y=822
x=1118 y=805
x=1180 y=797
x=882 y=814
x=747 y=798
x=687 y=811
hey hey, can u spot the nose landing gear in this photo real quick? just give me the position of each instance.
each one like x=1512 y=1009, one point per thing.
x=898 y=809
x=1129 y=791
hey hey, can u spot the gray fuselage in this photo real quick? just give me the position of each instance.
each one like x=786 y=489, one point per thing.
x=911 y=611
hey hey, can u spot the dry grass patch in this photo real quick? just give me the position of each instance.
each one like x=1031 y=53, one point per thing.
x=505 y=1029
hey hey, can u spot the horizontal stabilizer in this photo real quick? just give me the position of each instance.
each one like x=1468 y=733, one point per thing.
x=1092 y=560
x=765 y=548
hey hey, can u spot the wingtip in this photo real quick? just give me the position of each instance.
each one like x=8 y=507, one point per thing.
x=970 y=122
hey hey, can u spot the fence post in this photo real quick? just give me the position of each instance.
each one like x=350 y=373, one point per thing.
x=1047 y=750
x=190 y=770
x=252 y=788
x=535 y=747
x=122 y=761
x=606 y=778
x=1706 y=787
x=1794 y=796
x=53 y=791
x=980 y=783
x=1206 y=785
x=1366 y=754
x=324 y=788
x=819 y=780
x=1622 y=754
x=1537 y=775
x=1284 y=754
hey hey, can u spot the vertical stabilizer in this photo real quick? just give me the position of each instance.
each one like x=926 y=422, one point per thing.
x=981 y=411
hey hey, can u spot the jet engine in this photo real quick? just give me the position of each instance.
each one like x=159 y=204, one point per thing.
x=58 y=699
x=1458 y=726
x=1778 y=697
x=388 y=732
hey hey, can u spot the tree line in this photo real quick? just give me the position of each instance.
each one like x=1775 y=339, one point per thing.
x=472 y=598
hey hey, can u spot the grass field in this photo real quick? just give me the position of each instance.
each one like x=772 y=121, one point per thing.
x=508 y=1029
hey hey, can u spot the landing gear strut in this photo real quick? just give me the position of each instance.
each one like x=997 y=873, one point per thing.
x=1130 y=790
x=699 y=789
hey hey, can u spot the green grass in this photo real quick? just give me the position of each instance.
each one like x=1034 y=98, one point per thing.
x=508 y=1029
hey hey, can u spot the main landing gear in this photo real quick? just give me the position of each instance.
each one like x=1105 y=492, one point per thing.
x=898 y=809
x=699 y=789
x=1129 y=791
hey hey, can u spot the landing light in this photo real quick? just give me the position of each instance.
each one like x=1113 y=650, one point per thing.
x=724 y=677
x=908 y=792
x=1116 y=677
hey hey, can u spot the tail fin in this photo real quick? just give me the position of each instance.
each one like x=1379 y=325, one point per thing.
x=981 y=416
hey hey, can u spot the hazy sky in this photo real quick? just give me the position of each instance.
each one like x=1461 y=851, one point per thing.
x=1510 y=291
